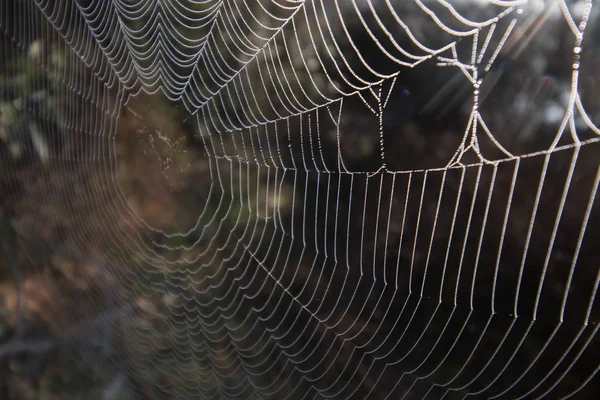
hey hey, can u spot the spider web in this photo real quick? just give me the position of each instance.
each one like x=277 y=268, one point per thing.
x=389 y=199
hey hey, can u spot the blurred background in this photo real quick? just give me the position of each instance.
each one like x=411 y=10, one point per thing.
x=325 y=225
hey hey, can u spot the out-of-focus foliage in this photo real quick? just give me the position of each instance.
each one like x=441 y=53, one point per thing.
x=28 y=92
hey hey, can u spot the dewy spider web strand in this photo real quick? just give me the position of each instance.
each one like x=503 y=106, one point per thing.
x=306 y=275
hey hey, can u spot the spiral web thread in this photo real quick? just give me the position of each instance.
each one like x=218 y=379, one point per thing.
x=305 y=276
